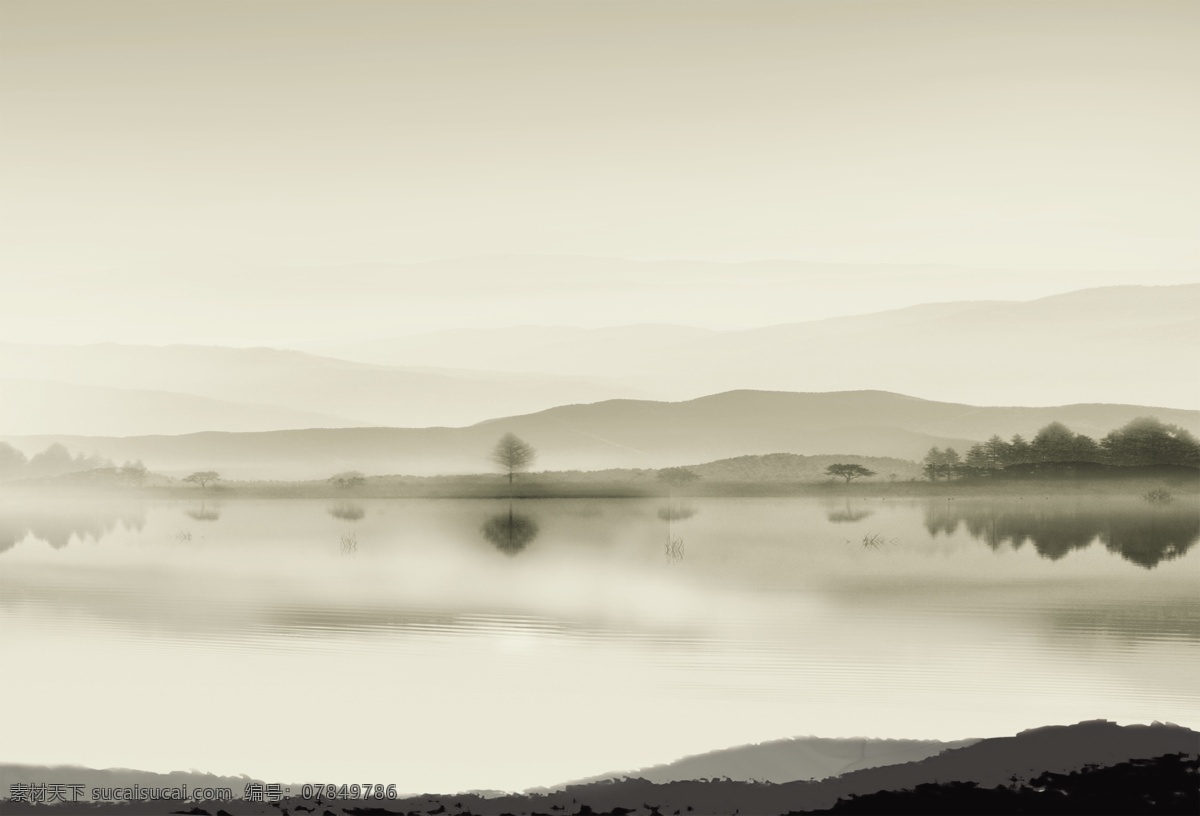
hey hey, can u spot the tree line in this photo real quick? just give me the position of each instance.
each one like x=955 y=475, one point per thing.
x=56 y=460
x=1141 y=441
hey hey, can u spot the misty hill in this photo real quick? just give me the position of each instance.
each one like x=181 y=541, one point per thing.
x=1112 y=344
x=1104 y=345
x=533 y=348
x=388 y=299
x=616 y=434
x=40 y=406
x=762 y=469
x=113 y=777
x=788 y=760
x=116 y=390
x=986 y=763
x=989 y=762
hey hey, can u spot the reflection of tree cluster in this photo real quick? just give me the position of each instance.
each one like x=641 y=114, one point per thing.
x=347 y=511
x=1142 y=535
x=510 y=532
x=204 y=513
x=56 y=526
x=676 y=512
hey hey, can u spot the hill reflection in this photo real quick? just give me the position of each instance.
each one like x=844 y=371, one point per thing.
x=1143 y=535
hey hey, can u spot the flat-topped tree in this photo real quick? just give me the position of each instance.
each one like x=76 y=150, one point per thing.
x=513 y=455
x=848 y=472
x=203 y=478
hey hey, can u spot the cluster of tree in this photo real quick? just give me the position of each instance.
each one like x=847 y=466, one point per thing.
x=348 y=479
x=678 y=476
x=1141 y=441
x=56 y=460
x=58 y=524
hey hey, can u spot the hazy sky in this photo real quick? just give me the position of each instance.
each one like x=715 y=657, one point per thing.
x=174 y=136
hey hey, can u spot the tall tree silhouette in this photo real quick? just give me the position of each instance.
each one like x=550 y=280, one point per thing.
x=513 y=455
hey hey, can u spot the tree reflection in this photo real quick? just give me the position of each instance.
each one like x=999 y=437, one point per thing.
x=1143 y=535
x=510 y=532
x=1158 y=535
x=57 y=524
x=842 y=515
x=676 y=512
x=204 y=513
x=347 y=511
x=670 y=513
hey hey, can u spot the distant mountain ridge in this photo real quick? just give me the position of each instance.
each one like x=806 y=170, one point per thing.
x=1105 y=345
x=33 y=406
x=617 y=434
x=117 y=390
x=1108 y=344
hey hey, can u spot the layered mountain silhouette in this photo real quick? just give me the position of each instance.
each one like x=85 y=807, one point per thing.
x=1108 y=344
x=119 y=390
x=1040 y=754
x=1113 y=344
x=37 y=406
x=616 y=433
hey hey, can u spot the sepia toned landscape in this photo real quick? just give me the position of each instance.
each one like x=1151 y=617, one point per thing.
x=597 y=408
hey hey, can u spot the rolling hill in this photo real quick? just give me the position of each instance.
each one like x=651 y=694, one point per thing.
x=788 y=760
x=116 y=390
x=1002 y=762
x=40 y=406
x=1109 y=345
x=616 y=433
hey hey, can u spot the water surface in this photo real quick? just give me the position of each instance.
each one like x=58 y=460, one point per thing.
x=451 y=644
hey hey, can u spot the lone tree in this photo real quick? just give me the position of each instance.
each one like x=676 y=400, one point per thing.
x=203 y=478
x=848 y=472
x=512 y=455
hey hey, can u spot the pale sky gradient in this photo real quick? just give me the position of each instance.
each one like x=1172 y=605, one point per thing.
x=1047 y=136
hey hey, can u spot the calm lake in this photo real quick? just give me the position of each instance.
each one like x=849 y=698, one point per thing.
x=453 y=644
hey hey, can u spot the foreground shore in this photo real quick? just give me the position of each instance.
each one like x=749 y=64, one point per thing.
x=1095 y=767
